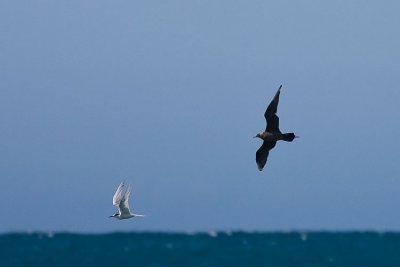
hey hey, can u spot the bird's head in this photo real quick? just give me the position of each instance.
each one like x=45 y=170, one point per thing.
x=259 y=135
x=114 y=215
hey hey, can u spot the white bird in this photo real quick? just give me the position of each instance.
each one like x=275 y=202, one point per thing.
x=121 y=202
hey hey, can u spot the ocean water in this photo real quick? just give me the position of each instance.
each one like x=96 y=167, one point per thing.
x=362 y=249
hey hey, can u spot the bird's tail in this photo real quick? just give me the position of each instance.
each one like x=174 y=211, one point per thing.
x=288 y=137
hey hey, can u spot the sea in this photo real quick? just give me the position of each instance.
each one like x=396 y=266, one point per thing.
x=274 y=249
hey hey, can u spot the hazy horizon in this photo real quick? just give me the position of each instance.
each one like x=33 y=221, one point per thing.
x=168 y=95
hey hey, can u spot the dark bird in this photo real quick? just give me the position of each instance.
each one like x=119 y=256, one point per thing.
x=272 y=134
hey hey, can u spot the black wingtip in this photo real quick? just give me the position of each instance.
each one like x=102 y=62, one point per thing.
x=280 y=87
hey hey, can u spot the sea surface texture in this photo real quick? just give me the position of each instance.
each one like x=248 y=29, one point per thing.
x=203 y=249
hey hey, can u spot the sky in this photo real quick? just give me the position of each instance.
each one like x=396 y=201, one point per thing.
x=168 y=95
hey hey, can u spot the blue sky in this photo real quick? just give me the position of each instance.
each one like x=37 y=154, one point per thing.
x=168 y=95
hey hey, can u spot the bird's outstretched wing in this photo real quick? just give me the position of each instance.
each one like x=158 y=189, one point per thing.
x=270 y=114
x=124 y=204
x=118 y=194
x=262 y=153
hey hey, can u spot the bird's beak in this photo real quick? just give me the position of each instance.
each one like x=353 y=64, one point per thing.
x=110 y=216
x=296 y=136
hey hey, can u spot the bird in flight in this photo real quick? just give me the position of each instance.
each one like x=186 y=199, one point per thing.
x=272 y=133
x=121 y=202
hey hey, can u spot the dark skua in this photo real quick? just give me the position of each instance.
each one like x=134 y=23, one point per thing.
x=272 y=134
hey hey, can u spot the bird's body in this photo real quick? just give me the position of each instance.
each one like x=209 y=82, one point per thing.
x=268 y=136
x=272 y=134
x=121 y=201
x=123 y=216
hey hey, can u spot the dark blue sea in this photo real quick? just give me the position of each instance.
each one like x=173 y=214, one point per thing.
x=309 y=249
